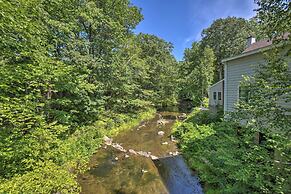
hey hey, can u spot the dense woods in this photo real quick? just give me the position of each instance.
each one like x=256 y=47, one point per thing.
x=70 y=72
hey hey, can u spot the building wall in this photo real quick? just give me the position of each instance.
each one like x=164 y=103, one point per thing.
x=218 y=87
x=233 y=74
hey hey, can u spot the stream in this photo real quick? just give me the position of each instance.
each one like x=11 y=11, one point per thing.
x=143 y=160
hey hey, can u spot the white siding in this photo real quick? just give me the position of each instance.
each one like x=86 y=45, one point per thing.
x=233 y=75
x=234 y=71
x=218 y=87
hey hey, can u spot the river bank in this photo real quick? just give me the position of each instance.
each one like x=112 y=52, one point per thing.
x=71 y=157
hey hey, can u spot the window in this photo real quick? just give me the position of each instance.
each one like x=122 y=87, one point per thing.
x=214 y=95
x=244 y=93
x=219 y=95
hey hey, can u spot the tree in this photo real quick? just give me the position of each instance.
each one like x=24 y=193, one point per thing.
x=65 y=67
x=162 y=69
x=265 y=112
x=227 y=37
x=274 y=16
x=249 y=152
x=264 y=115
x=196 y=72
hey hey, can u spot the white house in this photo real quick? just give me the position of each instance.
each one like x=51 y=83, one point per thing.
x=215 y=94
x=238 y=66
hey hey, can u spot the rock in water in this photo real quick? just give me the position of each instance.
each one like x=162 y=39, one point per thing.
x=162 y=122
x=142 y=153
x=107 y=140
x=161 y=133
x=173 y=139
x=144 y=171
x=154 y=157
x=119 y=147
x=183 y=116
x=132 y=151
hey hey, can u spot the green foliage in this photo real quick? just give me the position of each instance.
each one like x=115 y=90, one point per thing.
x=228 y=160
x=197 y=117
x=162 y=70
x=204 y=117
x=267 y=119
x=47 y=178
x=274 y=16
x=227 y=37
x=70 y=72
x=53 y=167
x=196 y=73
x=250 y=151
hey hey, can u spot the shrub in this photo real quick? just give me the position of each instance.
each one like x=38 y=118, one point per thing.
x=229 y=160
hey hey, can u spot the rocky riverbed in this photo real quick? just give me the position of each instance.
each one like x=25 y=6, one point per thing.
x=143 y=160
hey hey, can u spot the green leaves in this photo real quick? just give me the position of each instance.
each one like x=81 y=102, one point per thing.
x=227 y=38
x=231 y=158
x=48 y=177
x=273 y=15
x=196 y=73
x=160 y=68
x=70 y=72
x=267 y=126
x=249 y=153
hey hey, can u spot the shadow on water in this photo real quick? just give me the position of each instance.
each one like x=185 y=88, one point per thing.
x=177 y=177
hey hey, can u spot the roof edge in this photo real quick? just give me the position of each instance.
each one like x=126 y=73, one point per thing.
x=216 y=83
x=253 y=52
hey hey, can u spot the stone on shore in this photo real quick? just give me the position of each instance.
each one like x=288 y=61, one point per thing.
x=107 y=140
x=161 y=133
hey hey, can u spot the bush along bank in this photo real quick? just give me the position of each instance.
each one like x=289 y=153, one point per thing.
x=56 y=171
x=227 y=158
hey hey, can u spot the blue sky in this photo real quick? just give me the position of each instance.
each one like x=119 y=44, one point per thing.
x=181 y=21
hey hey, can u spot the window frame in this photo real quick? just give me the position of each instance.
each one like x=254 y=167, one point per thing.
x=219 y=95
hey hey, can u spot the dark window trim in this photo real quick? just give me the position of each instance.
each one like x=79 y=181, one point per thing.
x=219 y=95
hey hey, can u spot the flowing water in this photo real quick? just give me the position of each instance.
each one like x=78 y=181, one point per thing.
x=117 y=172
